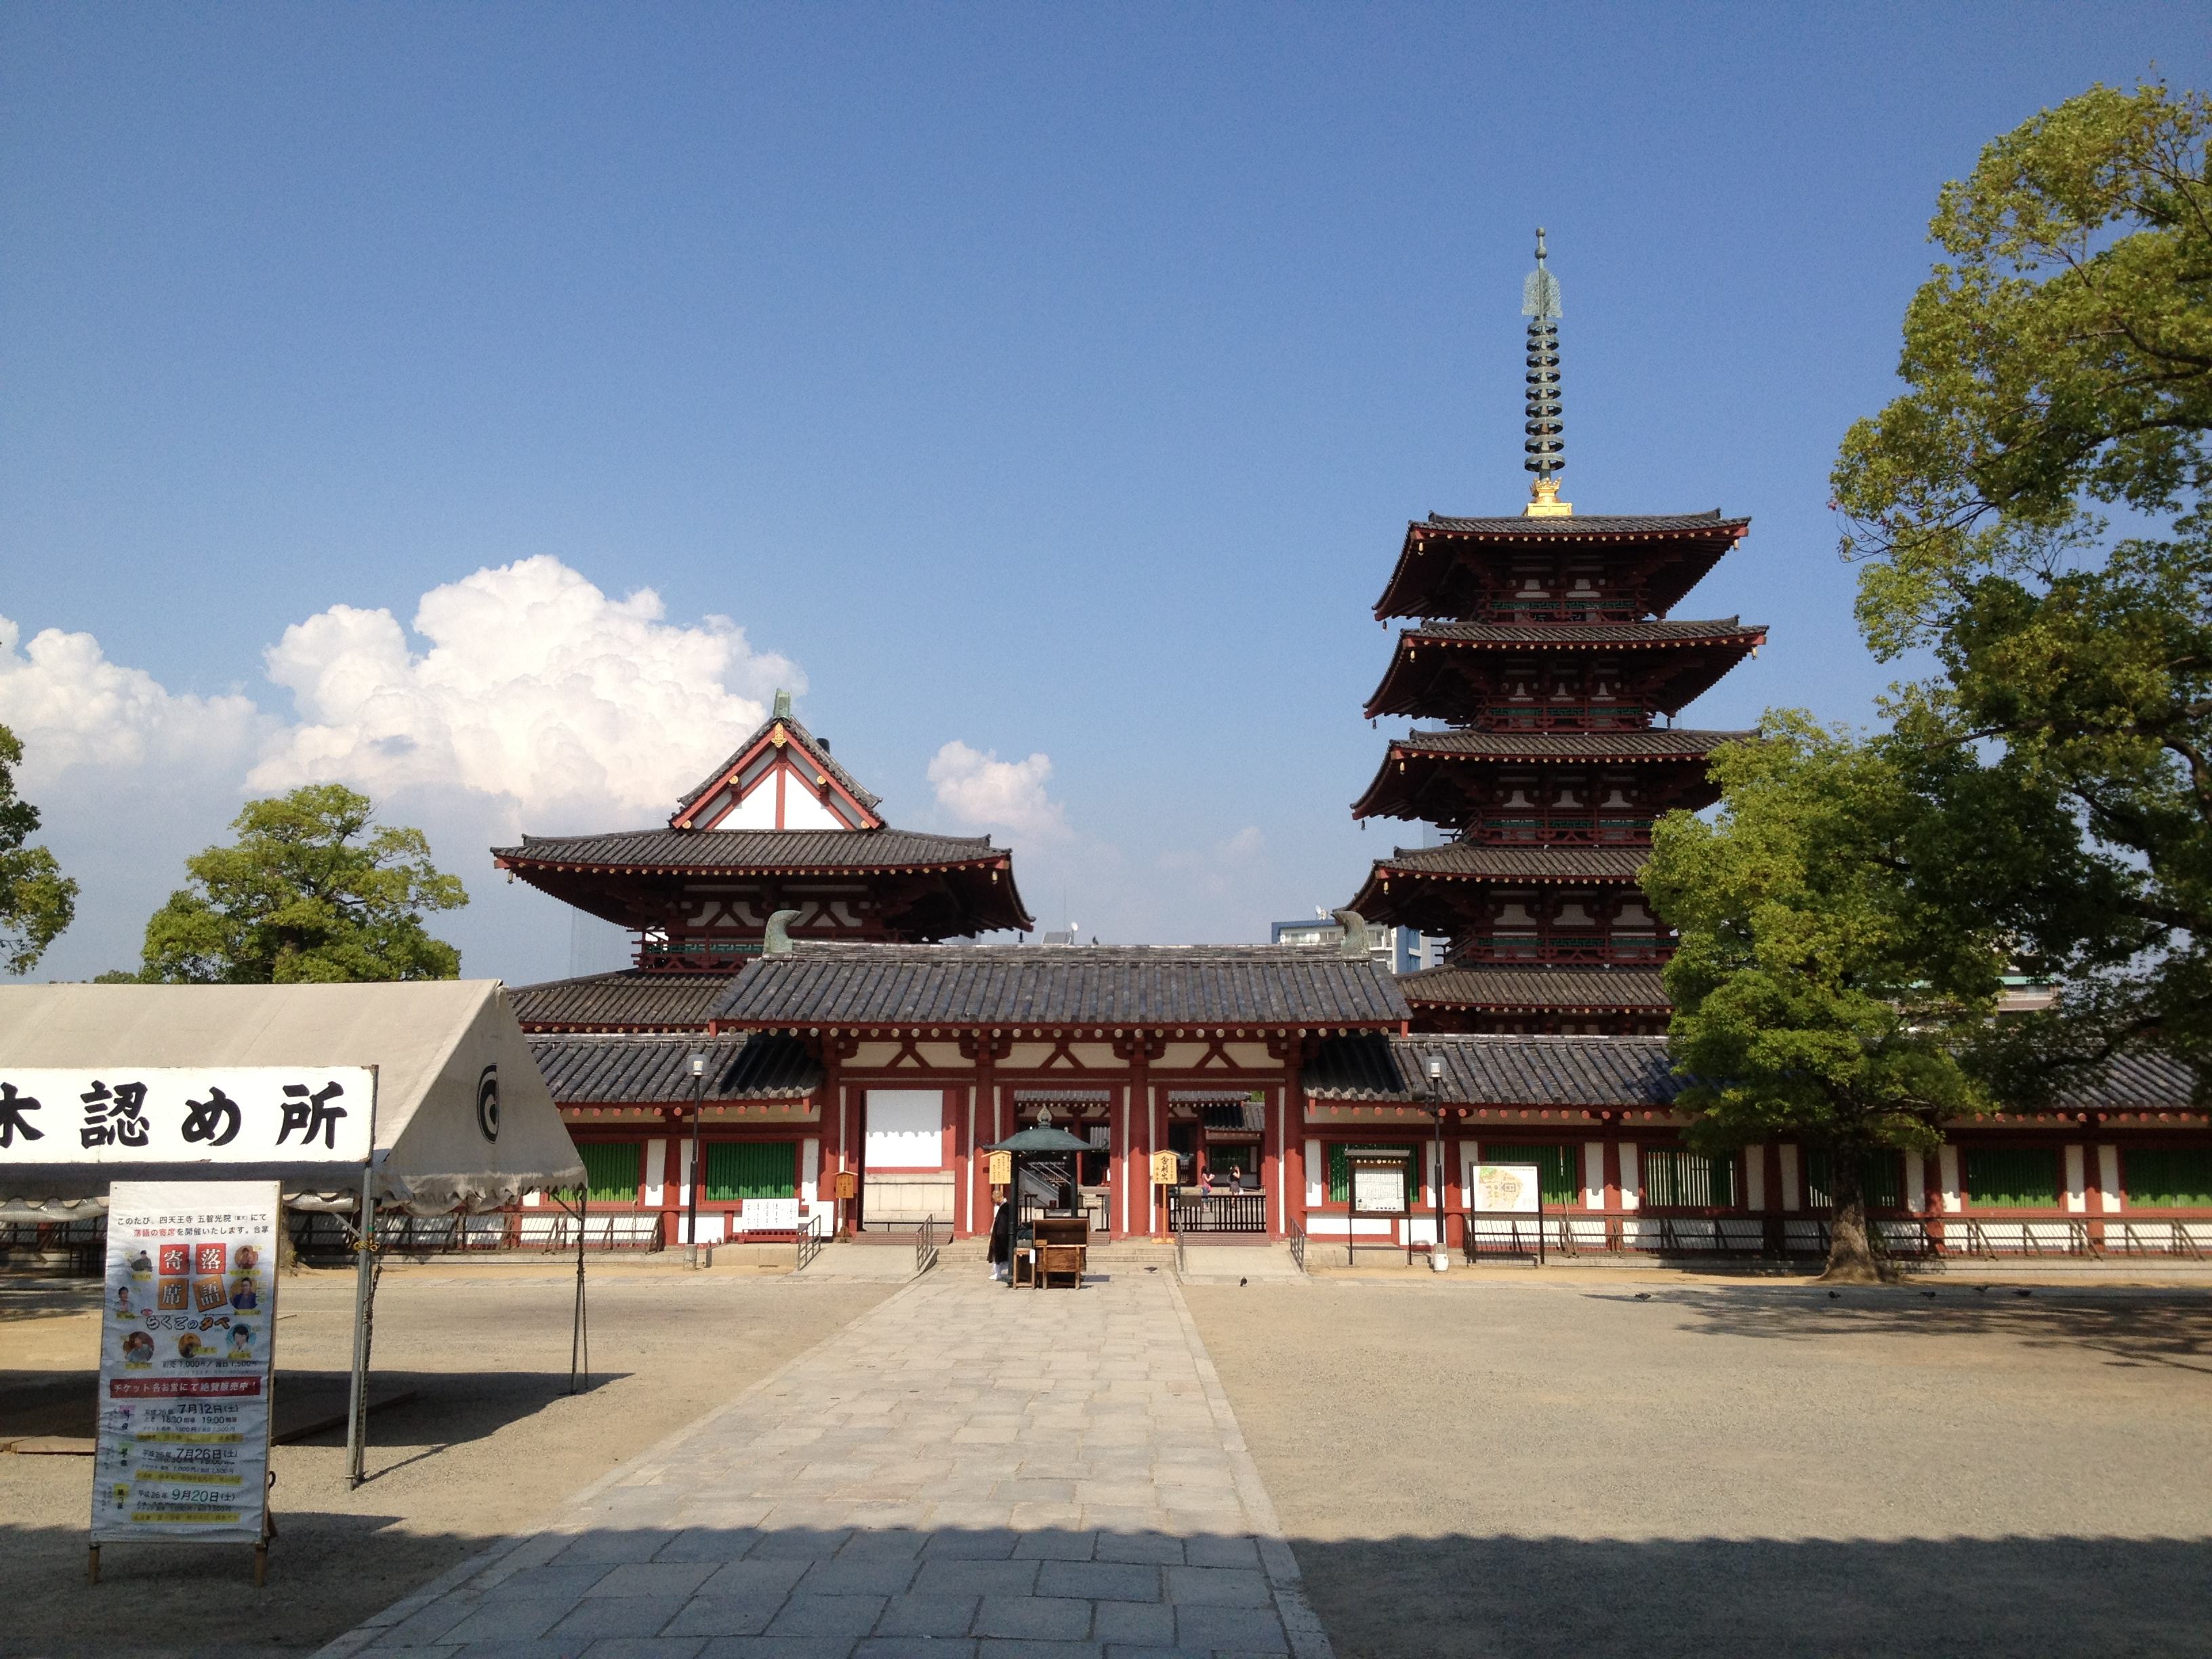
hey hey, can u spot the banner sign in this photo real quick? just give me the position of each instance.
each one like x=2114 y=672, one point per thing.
x=1167 y=1169
x=1001 y=1169
x=1505 y=1190
x=186 y=1353
x=173 y=1115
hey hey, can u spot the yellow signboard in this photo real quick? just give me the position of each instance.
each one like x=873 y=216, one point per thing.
x=1002 y=1168
x=848 y=1183
x=1166 y=1170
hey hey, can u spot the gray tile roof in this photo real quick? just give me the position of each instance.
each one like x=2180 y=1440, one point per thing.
x=1588 y=526
x=627 y=1000
x=1554 y=989
x=817 y=750
x=1479 y=860
x=643 y=1070
x=888 y=985
x=1497 y=1071
x=762 y=852
x=2133 y=1081
x=1660 y=743
x=1572 y=636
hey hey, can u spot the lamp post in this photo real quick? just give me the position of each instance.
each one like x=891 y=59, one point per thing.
x=1439 y=1260
x=698 y=1173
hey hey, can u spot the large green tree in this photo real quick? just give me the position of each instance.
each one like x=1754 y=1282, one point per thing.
x=313 y=891
x=1820 y=994
x=2032 y=509
x=37 y=901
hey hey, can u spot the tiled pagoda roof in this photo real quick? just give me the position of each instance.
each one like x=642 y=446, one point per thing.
x=817 y=751
x=1497 y=1071
x=1485 y=861
x=1656 y=743
x=1586 y=636
x=1676 y=549
x=1537 y=990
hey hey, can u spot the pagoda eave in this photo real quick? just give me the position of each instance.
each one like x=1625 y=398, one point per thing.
x=1437 y=550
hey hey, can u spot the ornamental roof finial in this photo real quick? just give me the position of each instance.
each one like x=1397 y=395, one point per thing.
x=1545 y=445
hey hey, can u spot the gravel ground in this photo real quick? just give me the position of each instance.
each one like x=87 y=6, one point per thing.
x=490 y=1444
x=1487 y=1467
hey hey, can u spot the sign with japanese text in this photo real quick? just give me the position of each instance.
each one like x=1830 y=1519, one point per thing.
x=185 y=1349
x=1378 y=1189
x=1167 y=1169
x=1002 y=1168
x=1505 y=1190
x=176 y=1115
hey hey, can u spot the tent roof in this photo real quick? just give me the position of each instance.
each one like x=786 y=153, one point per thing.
x=429 y=1040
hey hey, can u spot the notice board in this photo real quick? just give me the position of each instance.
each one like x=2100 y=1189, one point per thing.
x=186 y=1361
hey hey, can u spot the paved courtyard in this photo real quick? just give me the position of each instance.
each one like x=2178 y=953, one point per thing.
x=966 y=1472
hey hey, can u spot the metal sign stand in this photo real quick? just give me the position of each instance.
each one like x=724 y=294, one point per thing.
x=364 y=1300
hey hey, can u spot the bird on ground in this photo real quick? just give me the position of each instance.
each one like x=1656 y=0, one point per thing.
x=1643 y=1296
x=1243 y=1281
x=2023 y=1292
x=1929 y=1294
x=1834 y=1295
x=1983 y=1289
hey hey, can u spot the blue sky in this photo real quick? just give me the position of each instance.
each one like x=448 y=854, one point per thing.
x=1047 y=381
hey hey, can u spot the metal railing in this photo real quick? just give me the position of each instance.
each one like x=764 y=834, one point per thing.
x=320 y=1234
x=1298 y=1243
x=812 y=1236
x=2180 y=1238
x=1218 y=1213
x=925 y=1247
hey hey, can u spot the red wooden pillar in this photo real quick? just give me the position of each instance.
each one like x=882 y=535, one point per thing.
x=831 y=1098
x=1294 y=1132
x=984 y=1113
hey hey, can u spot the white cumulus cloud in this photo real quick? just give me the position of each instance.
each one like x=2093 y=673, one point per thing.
x=535 y=686
x=982 y=791
x=73 y=708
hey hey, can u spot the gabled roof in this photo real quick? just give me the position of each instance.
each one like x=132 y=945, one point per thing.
x=891 y=985
x=628 y=1001
x=753 y=852
x=656 y=1070
x=1607 y=1072
x=794 y=736
x=1537 y=990
x=1676 y=550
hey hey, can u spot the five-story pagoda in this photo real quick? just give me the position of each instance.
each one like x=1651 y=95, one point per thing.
x=1543 y=645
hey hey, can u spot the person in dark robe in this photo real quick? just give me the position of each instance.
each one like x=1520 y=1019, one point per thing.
x=1002 y=1238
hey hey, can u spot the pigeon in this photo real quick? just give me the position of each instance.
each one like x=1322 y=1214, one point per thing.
x=1152 y=1270
x=1834 y=1295
x=1929 y=1294
x=1643 y=1296
x=2023 y=1292
x=1243 y=1281
x=1982 y=1289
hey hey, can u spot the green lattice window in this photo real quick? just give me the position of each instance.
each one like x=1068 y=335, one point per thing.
x=751 y=1169
x=1882 y=1179
x=1676 y=1178
x=611 y=1167
x=2167 y=1178
x=1340 y=1172
x=1557 y=1169
x=2012 y=1177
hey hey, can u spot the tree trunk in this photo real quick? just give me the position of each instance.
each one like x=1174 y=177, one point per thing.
x=1850 y=1249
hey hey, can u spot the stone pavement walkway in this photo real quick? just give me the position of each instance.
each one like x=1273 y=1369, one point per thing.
x=966 y=1472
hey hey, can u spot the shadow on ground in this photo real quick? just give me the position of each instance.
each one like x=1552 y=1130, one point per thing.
x=2133 y=1328
x=735 y=1592
x=451 y=1408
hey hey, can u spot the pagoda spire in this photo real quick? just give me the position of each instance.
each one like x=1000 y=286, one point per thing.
x=1547 y=445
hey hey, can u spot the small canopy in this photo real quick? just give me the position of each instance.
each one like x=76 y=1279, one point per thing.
x=1042 y=1140
x=431 y=1041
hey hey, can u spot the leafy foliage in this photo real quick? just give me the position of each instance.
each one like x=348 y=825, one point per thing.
x=2059 y=363
x=1820 y=993
x=37 y=902
x=311 y=892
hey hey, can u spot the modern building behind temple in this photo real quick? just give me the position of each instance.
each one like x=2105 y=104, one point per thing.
x=857 y=1059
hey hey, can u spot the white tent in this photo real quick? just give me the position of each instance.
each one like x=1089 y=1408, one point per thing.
x=434 y=1043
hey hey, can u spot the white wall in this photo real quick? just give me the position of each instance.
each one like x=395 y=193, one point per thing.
x=906 y=1129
